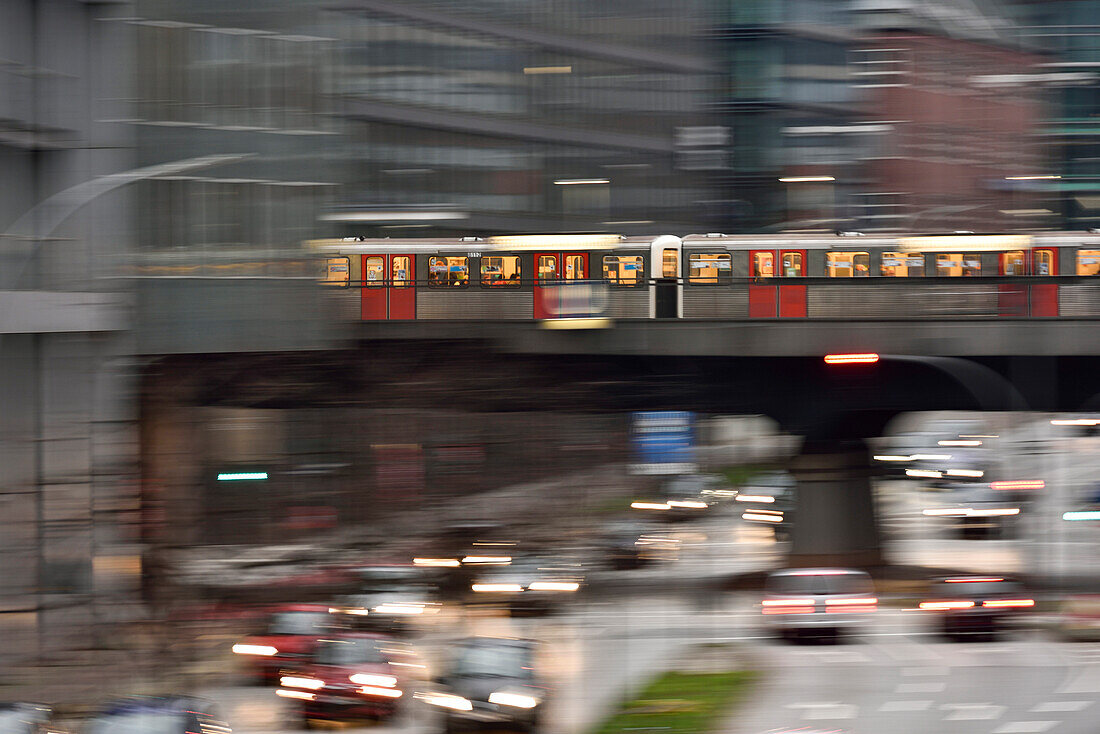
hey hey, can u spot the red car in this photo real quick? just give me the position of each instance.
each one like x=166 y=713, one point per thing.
x=291 y=633
x=350 y=676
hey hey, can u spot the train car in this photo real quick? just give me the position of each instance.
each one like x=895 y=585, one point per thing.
x=708 y=276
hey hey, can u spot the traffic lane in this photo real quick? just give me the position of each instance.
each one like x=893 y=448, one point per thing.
x=588 y=670
x=900 y=677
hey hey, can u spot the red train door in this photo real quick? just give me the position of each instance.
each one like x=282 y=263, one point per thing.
x=762 y=295
x=402 y=290
x=1044 y=296
x=792 y=298
x=547 y=275
x=374 y=307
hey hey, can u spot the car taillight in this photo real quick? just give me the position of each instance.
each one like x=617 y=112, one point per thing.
x=1001 y=603
x=942 y=605
x=787 y=606
x=868 y=604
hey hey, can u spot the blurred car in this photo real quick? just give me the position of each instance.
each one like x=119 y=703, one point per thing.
x=528 y=584
x=492 y=684
x=819 y=602
x=976 y=606
x=350 y=676
x=634 y=544
x=1079 y=617
x=290 y=634
x=977 y=511
x=769 y=499
x=157 y=715
x=396 y=609
x=684 y=497
x=24 y=718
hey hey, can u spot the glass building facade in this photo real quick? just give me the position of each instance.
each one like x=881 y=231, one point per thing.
x=385 y=118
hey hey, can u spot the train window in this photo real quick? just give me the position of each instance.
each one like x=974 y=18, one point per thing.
x=448 y=272
x=902 y=265
x=670 y=264
x=763 y=264
x=953 y=265
x=848 y=264
x=337 y=271
x=500 y=270
x=1044 y=262
x=710 y=268
x=1012 y=263
x=575 y=267
x=374 y=270
x=623 y=269
x=548 y=267
x=1088 y=262
x=792 y=265
x=402 y=270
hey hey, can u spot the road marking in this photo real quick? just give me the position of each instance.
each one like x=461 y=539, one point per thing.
x=826 y=710
x=1049 y=706
x=972 y=711
x=1025 y=727
x=905 y=706
x=930 y=670
x=930 y=687
x=842 y=657
x=1087 y=682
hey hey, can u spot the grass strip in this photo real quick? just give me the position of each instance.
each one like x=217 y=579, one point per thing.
x=680 y=703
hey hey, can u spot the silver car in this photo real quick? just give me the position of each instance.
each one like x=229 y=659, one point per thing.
x=822 y=602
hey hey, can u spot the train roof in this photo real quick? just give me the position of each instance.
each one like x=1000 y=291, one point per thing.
x=540 y=243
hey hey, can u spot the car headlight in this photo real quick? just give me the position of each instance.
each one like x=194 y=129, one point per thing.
x=510 y=698
x=369 y=679
x=266 y=650
x=399 y=609
x=500 y=588
x=292 y=681
x=554 y=586
x=447 y=701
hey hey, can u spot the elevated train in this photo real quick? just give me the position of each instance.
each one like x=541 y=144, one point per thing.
x=714 y=276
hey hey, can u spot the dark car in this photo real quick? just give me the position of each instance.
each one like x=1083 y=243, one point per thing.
x=157 y=715
x=290 y=633
x=633 y=545
x=398 y=609
x=24 y=718
x=491 y=684
x=351 y=676
x=975 y=606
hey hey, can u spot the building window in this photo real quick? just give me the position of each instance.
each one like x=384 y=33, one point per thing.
x=763 y=264
x=374 y=270
x=793 y=265
x=402 y=270
x=623 y=270
x=848 y=264
x=1012 y=263
x=337 y=271
x=902 y=265
x=448 y=272
x=710 y=268
x=1088 y=262
x=954 y=265
x=670 y=264
x=500 y=270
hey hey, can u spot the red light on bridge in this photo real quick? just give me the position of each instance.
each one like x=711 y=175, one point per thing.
x=1019 y=484
x=868 y=358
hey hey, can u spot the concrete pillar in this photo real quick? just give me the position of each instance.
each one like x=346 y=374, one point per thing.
x=834 y=522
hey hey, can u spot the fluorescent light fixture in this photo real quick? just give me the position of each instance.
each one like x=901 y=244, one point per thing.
x=1034 y=177
x=392 y=216
x=806 y=179
x=650 y=505
x=548 y=70
x=1019 y=484
x=926 y=473
x=931 y=457
x=891 y=457
x=242 y=476
x=965 y=473
x=1075 y=422
x=966 y=442
x=1082 y=515
x=581 y=181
